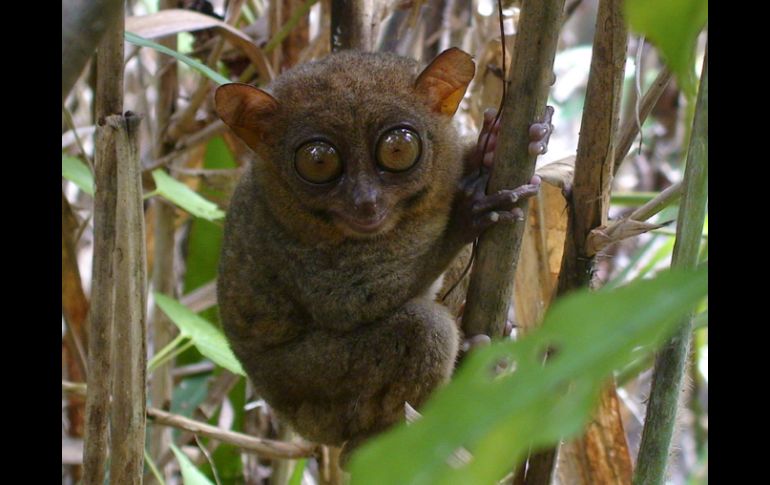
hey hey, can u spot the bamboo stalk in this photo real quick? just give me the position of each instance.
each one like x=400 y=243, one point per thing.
x=352 y=25
x=109 y=101
x=83 y=24
x=671 y=361
x=127 y=423
x=601 y=455
x=531 y=73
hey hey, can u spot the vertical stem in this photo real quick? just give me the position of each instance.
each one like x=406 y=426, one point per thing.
x=130 y=364
x=83 y=23
x=163 y=277
x=109 y=100
x=601 y=454
x=352 y=25
x=282 y=469
x=671 y=361
x=491 y=282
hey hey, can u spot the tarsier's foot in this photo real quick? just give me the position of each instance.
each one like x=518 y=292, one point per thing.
x=482 y=340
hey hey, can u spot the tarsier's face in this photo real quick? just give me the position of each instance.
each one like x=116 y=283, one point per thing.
x=356 y=152
x=362 y=200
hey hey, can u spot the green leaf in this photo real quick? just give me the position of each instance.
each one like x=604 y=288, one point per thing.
x=77 y=172
x=299 y=470
x=189 y=394
x=673 y=26
x=497 y=416
x=205 y=238
x=184 y=197
x=203 y=69
x=190 y=474
x=207 y=338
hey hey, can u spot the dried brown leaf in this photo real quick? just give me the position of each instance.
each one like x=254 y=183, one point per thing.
x=559 y=173
x=174 y=21
x=541 y=253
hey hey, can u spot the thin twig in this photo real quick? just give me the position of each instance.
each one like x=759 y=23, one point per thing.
x=260 y=446
x=186 y=144
x=658 y=203
x=207 y=454
x=630 y=128
x=78 y=141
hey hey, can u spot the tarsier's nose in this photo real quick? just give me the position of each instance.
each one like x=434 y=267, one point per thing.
x=365 y=198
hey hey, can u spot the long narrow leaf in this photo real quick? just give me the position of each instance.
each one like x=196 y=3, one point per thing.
x=203 y=69
x=185 y=197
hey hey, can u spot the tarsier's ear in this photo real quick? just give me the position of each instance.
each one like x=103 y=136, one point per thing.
x=444 y=81
x=246 y=110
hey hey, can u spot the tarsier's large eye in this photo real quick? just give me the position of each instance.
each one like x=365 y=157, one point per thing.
x=398 y=149
x=318 y=162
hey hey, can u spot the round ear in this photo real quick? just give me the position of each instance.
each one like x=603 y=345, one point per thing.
x=443 y=83
x=247 y=110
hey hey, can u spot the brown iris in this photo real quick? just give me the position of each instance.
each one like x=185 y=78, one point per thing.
x=398 y=150
x=318 y=162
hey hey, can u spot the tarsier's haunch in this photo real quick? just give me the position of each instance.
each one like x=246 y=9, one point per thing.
x=360 y=196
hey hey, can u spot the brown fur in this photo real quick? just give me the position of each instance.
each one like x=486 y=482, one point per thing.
x=336 y=328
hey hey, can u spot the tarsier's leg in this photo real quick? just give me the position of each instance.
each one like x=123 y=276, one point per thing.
x=423 y=341
x=353 y=385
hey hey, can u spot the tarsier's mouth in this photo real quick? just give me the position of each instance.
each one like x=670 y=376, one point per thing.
x=364 y=225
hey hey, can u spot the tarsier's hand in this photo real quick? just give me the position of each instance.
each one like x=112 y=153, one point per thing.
x=477 y=210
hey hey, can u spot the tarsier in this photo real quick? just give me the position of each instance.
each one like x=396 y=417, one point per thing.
x=361 y=195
